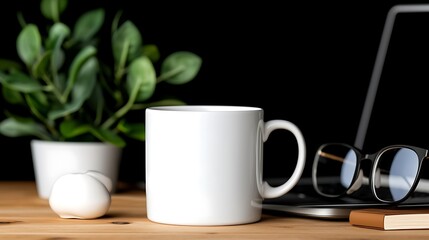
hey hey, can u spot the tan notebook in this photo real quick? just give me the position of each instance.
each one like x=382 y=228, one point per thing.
x=390 y=219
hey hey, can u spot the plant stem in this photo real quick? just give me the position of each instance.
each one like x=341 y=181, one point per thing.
x=124 y=109
x=21 y=20
x=53 y=88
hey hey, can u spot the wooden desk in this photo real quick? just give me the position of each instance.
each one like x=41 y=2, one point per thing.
x=23 y=215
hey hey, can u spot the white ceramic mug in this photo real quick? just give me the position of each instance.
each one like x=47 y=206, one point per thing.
x=204 y=164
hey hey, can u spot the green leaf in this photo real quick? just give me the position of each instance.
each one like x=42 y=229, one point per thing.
x=151 y=51
x=126 y=42
x=21 y=82
x=29 y=44
x=57 y=61
x=58 y=32
x=9 y=65
x=52 y=9
x=60 y=81
x=73 y=128
x=132 y=130
x=109 y=136
x=180 y=67
x=64 y=110
x=83 y=56
x=85 y=81
x=167 y=102
x=141 y=74
x=57 y=35
x=58 y=57
x=41 y=97
x=96 y=102
x=38 y=103
x=164 y=102
x=16 y=128
x=88 y=25
x=41 y=67
x=12 y=96
x=81 y=91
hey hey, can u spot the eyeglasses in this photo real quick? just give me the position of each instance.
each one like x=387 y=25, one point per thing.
x=394 y=176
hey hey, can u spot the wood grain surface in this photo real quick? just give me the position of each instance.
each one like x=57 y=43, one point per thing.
x=23 y=215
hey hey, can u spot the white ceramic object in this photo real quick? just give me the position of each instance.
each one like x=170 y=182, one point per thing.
x=204 y=164
x=53 y=159
x=81 y=195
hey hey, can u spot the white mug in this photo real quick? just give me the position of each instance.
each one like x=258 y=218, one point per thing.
x=204 y=164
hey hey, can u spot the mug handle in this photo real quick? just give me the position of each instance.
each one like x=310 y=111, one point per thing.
x=265 y=189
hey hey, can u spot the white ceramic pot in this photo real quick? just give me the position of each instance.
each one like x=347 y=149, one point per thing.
x=52 y=159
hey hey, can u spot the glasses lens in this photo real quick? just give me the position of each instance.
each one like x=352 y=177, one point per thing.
x=395 y=174
x=335 y=167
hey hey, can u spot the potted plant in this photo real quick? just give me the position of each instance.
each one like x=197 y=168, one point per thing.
x=63 y=91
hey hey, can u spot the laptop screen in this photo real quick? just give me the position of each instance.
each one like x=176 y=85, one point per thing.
x=401 y=102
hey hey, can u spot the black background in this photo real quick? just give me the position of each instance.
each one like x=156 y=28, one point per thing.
x=306 y=62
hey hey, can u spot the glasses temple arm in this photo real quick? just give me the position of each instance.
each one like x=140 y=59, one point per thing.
x=423 y=186
x=331 y=156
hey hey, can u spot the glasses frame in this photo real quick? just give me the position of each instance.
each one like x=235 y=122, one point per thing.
x=422 y=154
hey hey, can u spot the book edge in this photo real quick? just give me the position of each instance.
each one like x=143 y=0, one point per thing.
x=377 y=219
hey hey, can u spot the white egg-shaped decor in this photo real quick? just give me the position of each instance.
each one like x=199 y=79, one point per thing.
x=81 y=195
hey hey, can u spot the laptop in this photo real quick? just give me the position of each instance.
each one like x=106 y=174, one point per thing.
x=394 y=111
